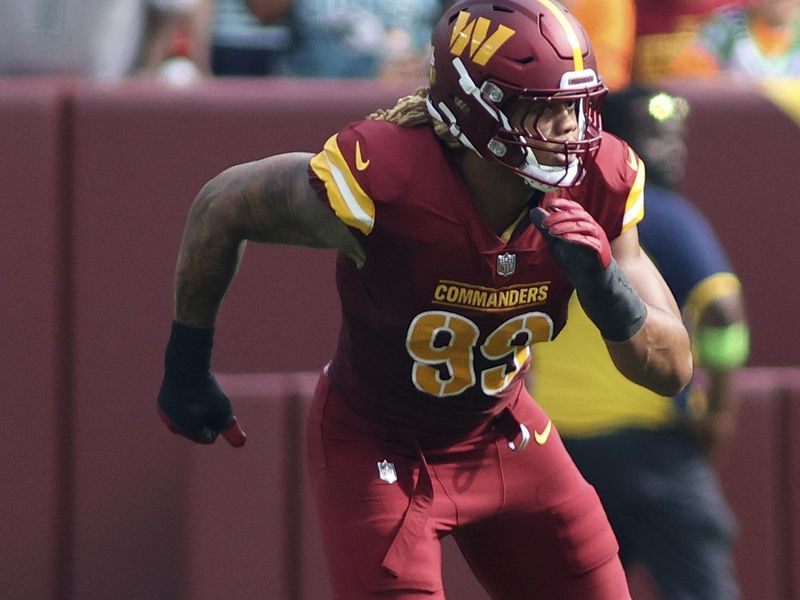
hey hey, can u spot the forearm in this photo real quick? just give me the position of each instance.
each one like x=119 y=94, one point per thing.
x=648 y=344
x=190 y=401
x=657 y=356
x=623 y=294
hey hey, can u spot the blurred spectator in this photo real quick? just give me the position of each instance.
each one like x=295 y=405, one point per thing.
x=102 y=39
x=759 y=40
x=648 y=455
x=250 y=37
x=611 y=26
x=664 y=28
x=362 y=38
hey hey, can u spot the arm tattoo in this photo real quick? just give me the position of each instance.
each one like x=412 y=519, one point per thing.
x=211 y=251
x=267 y=201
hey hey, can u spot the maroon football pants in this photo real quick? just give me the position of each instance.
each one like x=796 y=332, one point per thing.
x=528 y=524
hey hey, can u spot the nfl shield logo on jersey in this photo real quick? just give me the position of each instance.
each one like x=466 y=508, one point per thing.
x=386 y=471
x=506 y=263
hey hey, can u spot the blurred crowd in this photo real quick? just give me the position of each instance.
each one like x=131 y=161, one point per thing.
x=645 y=41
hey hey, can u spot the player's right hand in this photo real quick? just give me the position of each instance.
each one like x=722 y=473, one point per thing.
x=199 y=411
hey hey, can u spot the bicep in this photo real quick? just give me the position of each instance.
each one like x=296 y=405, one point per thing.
x=272 y=201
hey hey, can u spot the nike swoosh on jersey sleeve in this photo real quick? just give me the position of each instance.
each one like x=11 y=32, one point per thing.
x=634 y=205
x=347 y=197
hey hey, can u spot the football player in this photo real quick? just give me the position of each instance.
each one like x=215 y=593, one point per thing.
x=464 y=217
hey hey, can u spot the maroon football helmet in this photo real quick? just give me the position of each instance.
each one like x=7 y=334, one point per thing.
x=490 y=55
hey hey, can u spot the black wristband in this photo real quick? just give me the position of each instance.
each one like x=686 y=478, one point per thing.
x=612 y=304
x=188 y=353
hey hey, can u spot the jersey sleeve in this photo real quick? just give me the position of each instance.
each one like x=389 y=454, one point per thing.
x=362 y=169
x=634 y=199
x=340 y=171
x=615 y=196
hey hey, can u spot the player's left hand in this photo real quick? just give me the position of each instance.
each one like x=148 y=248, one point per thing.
x=581 y=249
x=576 y=240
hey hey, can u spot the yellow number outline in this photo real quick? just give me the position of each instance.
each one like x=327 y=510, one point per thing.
x=437 y=339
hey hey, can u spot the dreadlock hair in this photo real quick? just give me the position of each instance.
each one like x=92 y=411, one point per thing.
x=411 y=111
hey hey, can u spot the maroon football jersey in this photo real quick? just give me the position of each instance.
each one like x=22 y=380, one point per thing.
x=436 y=326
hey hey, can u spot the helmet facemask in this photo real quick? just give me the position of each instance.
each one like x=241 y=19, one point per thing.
x=513 y=146
x=519 y=135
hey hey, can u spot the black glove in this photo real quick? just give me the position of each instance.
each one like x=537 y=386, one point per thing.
x=190 y=401
x=582 y=250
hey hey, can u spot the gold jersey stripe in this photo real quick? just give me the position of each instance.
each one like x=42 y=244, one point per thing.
x=634 y=205
x=709 y=289
x=572 y=36
x=347 y=198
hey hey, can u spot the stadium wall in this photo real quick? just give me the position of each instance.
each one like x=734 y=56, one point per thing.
x=101 y=502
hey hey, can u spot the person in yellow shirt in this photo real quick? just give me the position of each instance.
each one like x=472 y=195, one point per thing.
x=647 y=455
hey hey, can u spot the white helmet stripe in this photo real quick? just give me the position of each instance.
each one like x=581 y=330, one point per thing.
x=434 y=111
x=469 y=87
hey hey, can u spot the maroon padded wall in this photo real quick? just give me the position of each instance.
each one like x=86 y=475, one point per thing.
x=791 y=453
x=750 y=469
x=764 y=455
x=140 y=154
x=96 y=183
x=237 y=528
x=742 y=173
x=33 y=491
